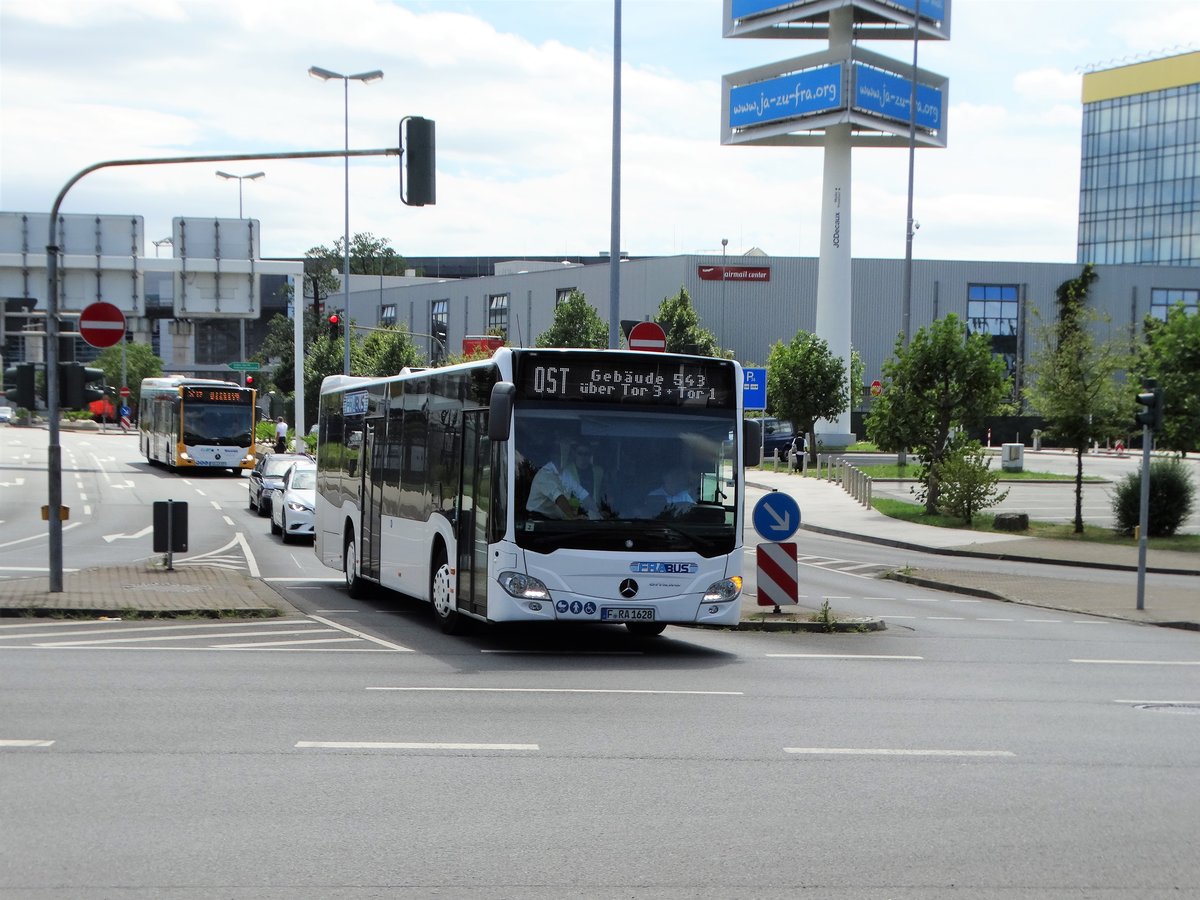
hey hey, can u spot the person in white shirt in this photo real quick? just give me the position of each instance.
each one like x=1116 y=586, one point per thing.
x=281 y=430
x=673 y=496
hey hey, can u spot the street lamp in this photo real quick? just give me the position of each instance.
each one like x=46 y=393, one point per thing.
x=366 y=78
x=240 y=179
x=165 y=242
x=724 y=244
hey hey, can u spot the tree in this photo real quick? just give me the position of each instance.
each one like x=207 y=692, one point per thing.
x=682 y=325
x=324 y=357
x=140 y=362
x=966 y=480
x=806 y=382
x=369 y=255
x=944 y=379
x=1073 y=381
x=1170 y=354
x=387 y=350
x=576 y=324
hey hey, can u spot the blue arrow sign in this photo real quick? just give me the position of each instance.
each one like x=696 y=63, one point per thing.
x=754 y=388
x=776 y=516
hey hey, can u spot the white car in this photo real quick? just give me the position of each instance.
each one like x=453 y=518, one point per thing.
x=292 y=504
x=6 y=413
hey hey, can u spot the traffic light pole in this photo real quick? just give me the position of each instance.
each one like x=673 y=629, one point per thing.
x=1144 y=517
x=54 y=450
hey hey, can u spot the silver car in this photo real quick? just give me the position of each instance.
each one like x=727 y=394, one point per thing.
x=292 y=504
x=267 y=475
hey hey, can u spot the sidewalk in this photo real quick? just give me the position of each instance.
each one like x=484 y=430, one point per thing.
x=146 y=588
x=827 y=509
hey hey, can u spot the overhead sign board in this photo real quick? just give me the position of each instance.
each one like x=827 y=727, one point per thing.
x=886 y=20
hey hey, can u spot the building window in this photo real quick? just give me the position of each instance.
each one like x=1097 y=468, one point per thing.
x=497 y=323
x=561 y=295
x=439 y=327
x=994 y=310
x=1163 y=300
x=387 y=315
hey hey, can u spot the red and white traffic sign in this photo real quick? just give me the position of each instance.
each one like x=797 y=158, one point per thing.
x=124 y=392
x=778 y=574
x=648 y=336
x=876 y=388
x=102 y=324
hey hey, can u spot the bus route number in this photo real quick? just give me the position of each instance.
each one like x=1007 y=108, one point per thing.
x=550 y=379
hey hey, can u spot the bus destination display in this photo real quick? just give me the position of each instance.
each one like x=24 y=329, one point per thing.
x=612 y=379
x=216 y=394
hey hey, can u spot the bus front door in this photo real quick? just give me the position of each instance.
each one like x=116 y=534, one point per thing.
x=474 y=506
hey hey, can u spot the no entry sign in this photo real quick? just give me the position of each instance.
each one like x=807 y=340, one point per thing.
x=102 y=325
x=648 y=336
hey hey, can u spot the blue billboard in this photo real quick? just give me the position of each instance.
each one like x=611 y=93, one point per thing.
x=934 y=10
x=889 y=95
x=786 y=97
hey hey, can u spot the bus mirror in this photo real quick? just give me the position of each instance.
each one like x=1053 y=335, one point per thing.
x=500 y=411
x=751 y=442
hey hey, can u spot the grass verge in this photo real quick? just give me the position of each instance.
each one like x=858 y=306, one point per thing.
x=914 y=512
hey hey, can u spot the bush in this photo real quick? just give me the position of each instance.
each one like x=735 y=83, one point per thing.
x=966 y=483
x=1171 y=496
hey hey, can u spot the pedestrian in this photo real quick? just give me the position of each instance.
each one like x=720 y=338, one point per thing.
x=281 y=430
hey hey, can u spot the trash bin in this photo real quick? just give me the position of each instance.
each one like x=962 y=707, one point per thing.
x=1012 y=457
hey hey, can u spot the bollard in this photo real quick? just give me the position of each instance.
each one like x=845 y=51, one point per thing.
x=870 y=502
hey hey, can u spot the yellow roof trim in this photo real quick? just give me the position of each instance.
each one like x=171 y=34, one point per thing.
x=1141 y=78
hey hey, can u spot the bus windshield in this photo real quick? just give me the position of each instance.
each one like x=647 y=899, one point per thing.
x=601 y=478
x=215 y=424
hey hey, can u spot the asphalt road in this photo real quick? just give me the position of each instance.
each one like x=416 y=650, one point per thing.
x=963 y=752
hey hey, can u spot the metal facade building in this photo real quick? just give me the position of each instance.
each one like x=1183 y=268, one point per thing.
x=764 y=299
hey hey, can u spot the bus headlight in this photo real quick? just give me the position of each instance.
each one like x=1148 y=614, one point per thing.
x=724 y=590
x=523 y=587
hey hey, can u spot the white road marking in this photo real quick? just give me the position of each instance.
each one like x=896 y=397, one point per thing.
x=40 y=536
x=868 y=751
x=565 y=652
x=1046 y=621
x=1158 y=701
x=408 y=745
x=290 y=579
x=215 y=504
x=139 y=629
x=175 y=637
x=109 y=538
x=87 y=509
x=1139 y=662
x=487 y=690
x=362 y=635
x=946 y=618
x=228 y=521
x=20 y=743
x=996 y=620
x=258 y=644
x=924 y=600
x=836 y=656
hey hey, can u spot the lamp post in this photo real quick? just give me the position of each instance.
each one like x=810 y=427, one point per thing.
x=366 y=78
x=724 y=244
x=165 y=242
x=240 y=179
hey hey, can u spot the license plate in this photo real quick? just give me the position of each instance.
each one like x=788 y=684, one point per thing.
x=626 y=614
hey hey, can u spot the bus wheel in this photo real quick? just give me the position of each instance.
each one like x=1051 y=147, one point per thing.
x=355 y=586
x=646 y=629
x=441 y=592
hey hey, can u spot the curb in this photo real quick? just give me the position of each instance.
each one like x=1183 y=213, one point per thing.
x=787 y=623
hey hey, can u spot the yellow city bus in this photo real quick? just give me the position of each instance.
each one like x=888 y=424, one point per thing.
x=196 y=422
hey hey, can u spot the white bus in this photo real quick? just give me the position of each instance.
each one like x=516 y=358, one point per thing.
x=445 y=484
x=196 y=422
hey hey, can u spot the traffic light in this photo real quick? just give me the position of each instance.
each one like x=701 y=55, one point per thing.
x=417 y=143
x=335 y=322
x=249 y=381
x=1151 y=399
x=22 y=392
x=75 y=388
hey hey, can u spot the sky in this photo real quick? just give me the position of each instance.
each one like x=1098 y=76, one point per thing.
x=522 y=94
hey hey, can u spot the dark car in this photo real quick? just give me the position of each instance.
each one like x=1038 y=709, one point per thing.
x=777 y=435
x=267 y=476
